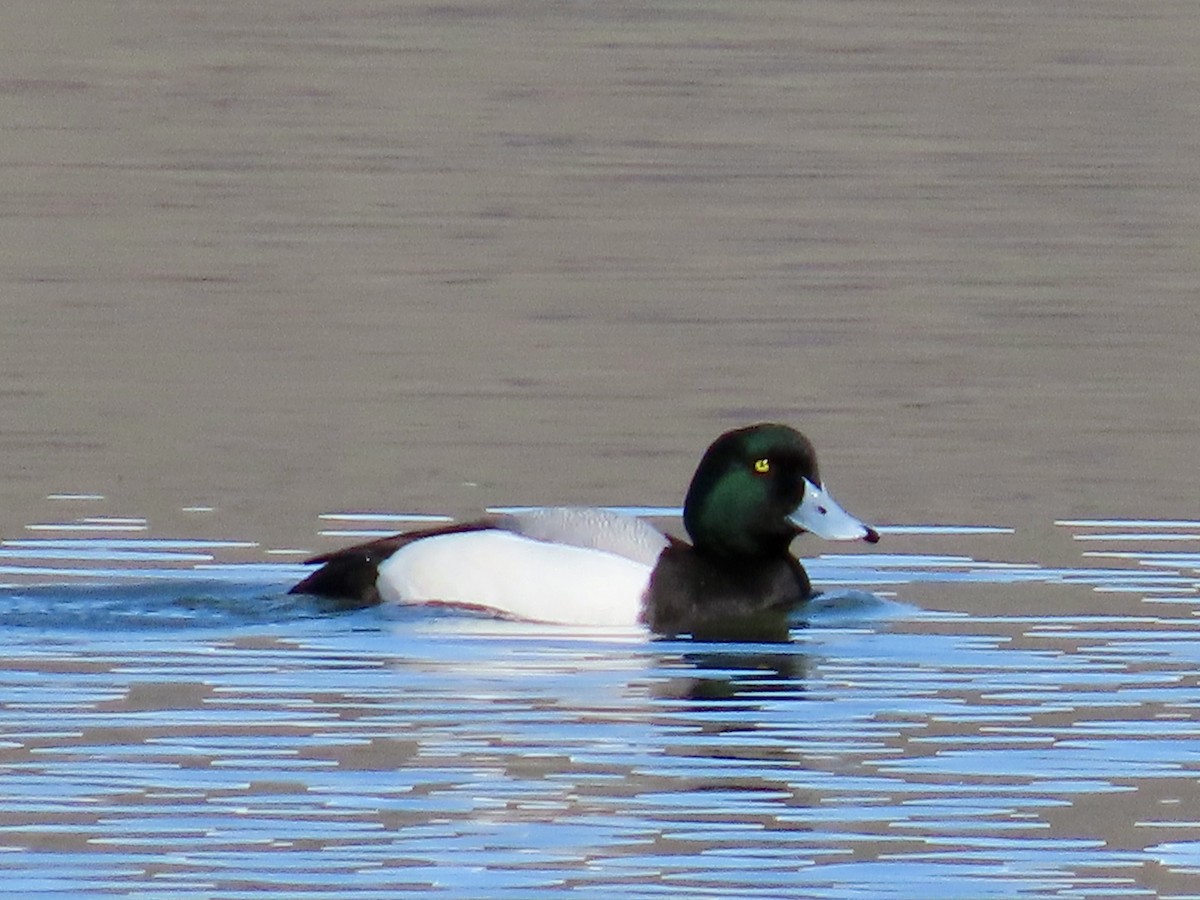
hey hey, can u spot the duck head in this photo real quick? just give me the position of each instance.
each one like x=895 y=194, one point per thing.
x=755 y=489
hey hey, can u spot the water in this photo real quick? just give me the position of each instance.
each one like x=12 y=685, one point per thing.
x=264 y=261
x=175 y=725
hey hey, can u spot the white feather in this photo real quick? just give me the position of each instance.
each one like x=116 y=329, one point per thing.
x=517 y=576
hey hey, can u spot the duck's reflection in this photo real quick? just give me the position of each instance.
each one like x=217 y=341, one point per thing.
x=762 y=655
x=726 y=673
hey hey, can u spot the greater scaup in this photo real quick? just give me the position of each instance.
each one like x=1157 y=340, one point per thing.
x=754 y=490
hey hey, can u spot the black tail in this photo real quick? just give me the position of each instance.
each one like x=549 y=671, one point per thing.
x=348 y=577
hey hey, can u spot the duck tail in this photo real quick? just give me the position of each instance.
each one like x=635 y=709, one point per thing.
x=347 y=577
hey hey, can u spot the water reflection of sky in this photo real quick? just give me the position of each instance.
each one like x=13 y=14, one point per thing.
x=173 y=725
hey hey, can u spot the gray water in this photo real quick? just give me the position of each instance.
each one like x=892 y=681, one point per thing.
x=174 y=725
x=264 y=261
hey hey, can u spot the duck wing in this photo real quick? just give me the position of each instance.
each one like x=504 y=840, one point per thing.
x=591 y=529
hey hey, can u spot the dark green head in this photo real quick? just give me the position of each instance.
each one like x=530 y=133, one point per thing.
x=755 y=489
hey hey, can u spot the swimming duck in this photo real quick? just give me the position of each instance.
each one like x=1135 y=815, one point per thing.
x=754 y=490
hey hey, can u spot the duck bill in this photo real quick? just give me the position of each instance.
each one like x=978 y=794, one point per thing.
x=819 y=513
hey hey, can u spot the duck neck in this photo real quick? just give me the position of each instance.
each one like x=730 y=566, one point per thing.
x=738 y=546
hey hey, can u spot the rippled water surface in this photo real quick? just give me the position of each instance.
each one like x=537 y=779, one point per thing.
x=172 y=725
x=260 y=261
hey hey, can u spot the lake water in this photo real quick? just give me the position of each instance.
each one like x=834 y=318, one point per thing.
x=175 y=725
x=272 y=275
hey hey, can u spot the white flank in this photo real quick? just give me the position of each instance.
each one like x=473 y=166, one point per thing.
x=517 y=576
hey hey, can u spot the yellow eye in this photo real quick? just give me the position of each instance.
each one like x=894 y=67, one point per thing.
x=762 y=466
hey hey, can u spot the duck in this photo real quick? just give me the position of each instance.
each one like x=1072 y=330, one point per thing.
x=754 y=490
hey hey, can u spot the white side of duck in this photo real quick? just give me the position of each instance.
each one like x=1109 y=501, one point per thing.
x=565 y=566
